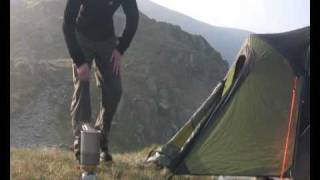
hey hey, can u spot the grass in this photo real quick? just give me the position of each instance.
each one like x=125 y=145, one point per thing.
x=54 y=163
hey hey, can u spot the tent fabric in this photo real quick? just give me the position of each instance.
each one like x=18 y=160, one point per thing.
x=301 y=167
x=167 y=154
x=229 y=79
x=245 y=127
x=292 y=45
x=248 y=136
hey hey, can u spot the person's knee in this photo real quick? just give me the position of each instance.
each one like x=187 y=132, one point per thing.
x=119 y=93
x=116 y=92
x=111 y=95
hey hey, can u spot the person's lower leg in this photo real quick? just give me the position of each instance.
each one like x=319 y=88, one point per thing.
x=80 y=112
x=108 y=109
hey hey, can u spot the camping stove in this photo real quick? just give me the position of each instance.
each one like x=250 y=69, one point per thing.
x=89 y=152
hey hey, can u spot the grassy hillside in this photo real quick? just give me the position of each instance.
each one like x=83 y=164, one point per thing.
x=53 y=163
x=58 y=163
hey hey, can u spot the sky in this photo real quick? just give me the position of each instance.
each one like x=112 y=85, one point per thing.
x=258 y=16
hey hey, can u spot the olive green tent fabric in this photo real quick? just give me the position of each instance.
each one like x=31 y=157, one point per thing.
x=292 y=45
x=229 y=79
x=255 y=122
x=248 y=135
x=167 y=154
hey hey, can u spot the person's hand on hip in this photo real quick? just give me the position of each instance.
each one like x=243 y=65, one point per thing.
x=115 y=59
x=84 y=72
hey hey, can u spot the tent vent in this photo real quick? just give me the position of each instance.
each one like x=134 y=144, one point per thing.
x=239 y=67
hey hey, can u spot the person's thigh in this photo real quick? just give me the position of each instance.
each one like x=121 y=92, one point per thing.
x=87 y=47
x=104 y=65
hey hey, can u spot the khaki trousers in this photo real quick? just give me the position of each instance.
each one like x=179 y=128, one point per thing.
x=110 y=85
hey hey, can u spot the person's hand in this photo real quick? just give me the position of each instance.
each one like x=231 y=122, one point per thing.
x=83 y=72
x=115 y=59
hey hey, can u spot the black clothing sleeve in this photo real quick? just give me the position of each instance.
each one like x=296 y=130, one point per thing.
x=69 y=30
x=132 y=17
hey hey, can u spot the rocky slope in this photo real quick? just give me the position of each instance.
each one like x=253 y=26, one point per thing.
x=166 y=74
x=226 y=40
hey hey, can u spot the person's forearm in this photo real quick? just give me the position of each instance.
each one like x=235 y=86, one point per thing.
x=132 y=18
x=72 y=45
x=70 y=15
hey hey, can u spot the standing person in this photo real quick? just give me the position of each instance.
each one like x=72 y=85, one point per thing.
x=89 y=34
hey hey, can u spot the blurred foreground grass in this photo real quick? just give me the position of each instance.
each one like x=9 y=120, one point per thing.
x=54 y=163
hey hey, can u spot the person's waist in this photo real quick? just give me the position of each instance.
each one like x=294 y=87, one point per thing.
x=96 y=35
x=96 y=31
x=84 y=38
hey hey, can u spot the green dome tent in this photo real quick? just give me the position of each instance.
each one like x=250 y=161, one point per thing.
x=256 y=121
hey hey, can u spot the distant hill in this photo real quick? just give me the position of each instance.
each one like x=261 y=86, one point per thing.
x=166 y=74
x=225 y=40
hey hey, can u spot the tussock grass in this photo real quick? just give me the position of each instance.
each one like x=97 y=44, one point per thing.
x=53 y=163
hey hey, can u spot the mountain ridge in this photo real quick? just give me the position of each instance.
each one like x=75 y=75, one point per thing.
x=226 y=40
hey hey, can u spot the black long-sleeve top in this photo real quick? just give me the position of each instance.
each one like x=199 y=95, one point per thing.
x=94 y=19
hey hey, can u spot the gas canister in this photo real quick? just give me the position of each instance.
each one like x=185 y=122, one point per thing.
x=89 y=151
